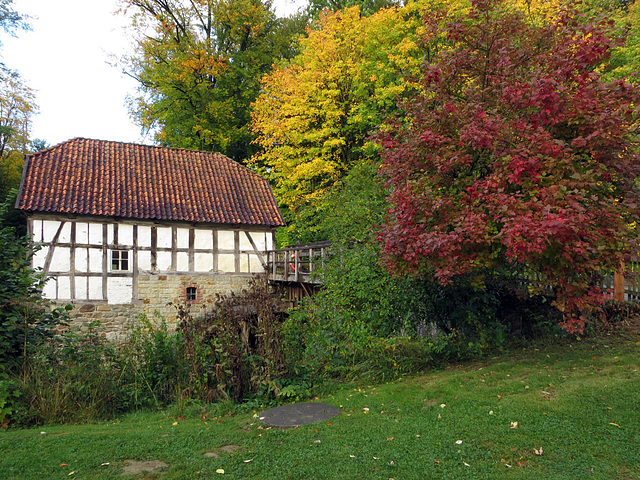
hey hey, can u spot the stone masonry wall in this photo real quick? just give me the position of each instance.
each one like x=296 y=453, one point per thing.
x=155 y=292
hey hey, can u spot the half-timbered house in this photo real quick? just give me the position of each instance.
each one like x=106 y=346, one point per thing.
x=126 y=229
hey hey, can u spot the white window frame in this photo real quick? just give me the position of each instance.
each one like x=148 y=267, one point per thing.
x=118 y=258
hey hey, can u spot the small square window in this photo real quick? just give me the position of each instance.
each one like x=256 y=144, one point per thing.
x=119 y=260
x=192 y=294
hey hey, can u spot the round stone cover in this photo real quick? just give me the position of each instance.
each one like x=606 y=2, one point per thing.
x=298 y=414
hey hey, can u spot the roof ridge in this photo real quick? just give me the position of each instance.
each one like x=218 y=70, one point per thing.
x=177 y=149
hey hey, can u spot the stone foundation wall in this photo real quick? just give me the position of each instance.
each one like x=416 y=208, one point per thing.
x=154 y=293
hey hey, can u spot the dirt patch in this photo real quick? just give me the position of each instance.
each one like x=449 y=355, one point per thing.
x=225 y=449
x=134 y=467
x=229 y=448
x=297 y=414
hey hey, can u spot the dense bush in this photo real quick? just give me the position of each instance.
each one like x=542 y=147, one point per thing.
x=69 y=378
x=25 y=318
x=151 y=364
x=234 y=349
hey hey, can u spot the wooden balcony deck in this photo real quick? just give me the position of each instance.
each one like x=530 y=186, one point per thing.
x=298 y=264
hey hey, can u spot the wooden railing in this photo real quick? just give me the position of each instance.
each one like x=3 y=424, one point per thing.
x=619 y=287
x=300 y=264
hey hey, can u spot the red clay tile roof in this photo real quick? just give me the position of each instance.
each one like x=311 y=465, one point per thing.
x=96 y=177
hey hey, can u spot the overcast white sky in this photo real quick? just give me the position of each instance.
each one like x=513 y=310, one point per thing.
x=65 y=59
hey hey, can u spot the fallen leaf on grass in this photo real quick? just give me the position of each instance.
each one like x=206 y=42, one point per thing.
x=514 y=425
x=436 y=461
x=220 y=471
x=538 y=452
x=389 y=439
x=615 y=425
x=64 y=464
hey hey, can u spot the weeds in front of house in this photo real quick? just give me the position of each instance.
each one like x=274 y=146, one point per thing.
x=69 y=378
x=234 y=347
x=230 y=350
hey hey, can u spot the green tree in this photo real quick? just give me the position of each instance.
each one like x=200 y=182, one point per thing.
x=356 y=288
x=20 y=287
x=625 y=60
x=199 y=65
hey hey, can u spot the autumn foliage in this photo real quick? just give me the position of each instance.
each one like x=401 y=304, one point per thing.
x=315 y=112
x=516 y=157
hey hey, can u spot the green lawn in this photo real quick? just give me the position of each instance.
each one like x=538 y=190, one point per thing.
x=578 y=404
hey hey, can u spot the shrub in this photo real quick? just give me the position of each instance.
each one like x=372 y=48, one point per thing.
x=21 y=306
x=152 y=364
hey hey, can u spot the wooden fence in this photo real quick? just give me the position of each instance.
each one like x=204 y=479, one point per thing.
x=621 y=288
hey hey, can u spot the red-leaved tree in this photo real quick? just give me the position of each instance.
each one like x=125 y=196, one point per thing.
x=516 y=154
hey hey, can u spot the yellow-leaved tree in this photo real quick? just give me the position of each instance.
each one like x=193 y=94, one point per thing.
x=315 y=112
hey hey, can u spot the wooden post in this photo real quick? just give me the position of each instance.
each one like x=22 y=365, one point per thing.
x=618 y=284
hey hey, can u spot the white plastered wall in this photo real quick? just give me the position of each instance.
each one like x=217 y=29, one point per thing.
x=75 y=253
